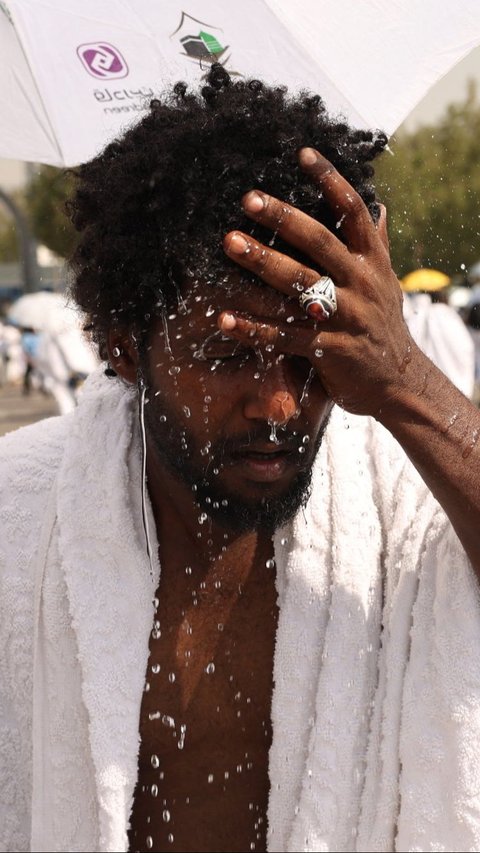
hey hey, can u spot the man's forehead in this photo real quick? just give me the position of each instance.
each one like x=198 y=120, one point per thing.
x=243 y=296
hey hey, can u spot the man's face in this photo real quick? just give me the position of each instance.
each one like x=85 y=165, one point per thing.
x=238 y=427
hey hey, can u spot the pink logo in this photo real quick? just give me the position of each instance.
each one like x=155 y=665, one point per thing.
x=102 y=60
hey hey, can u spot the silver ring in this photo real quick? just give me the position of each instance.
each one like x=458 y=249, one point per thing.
x=320 y=300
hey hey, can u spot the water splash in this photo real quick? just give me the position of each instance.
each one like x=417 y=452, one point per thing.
x=306 y=387
x=166 y=335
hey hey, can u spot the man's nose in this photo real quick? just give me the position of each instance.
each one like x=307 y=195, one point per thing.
x=274 y=396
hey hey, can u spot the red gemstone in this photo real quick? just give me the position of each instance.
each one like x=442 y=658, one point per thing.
x=316 y=311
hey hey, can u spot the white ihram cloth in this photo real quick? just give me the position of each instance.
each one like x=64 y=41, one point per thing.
x=376 y=706
x=442 y=335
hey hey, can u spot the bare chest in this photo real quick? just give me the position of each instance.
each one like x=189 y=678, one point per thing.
x=205 y=723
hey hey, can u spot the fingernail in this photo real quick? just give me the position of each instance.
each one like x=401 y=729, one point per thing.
x=228 y=322
x=253 y=202
x=237 y=244
x=308 y=157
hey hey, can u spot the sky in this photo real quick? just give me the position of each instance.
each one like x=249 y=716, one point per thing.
x=452 y=87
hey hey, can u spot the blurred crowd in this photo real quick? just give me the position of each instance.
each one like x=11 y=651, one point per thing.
x=444 y=319
x=43 y=348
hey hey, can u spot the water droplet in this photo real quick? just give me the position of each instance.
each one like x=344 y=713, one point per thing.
x=149 y=842
x=154 y=715
x=273 y=432
x=290 y=319
x=174 y=370
x=170 y=838
x=301 y=449
x=306 y=387
x=162 y=419
x=156 y=668
x=220 y=626
x=210 y=668
x=474 y=439
x=319 y=353
x=155 y=762
x=188 y=570
x=284 y=541
x=210 y=311
x=210 y=778
x=154 y=790
x=166 y=816
x=168 y=349
x=270 y=564
x=183 y=733
x=186 y=411
x=269 y=348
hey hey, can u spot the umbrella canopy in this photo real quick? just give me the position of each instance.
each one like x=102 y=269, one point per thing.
x=43 y=312
x=75 y=73
x=424 y=279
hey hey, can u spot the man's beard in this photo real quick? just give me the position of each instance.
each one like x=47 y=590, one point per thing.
x=176 y=448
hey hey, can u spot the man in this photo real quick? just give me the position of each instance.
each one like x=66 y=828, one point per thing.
x=312 y=676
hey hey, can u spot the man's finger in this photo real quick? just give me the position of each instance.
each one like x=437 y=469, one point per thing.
x=279 y=271
x=303 y=232
x=276 y=338
x=382 y=229
x=354 y=219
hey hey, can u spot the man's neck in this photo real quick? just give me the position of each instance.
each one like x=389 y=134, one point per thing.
x=182 y=524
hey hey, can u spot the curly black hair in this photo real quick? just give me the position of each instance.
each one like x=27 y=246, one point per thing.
x=153 y=208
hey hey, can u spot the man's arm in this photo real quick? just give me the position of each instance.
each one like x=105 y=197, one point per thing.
x=364 y=355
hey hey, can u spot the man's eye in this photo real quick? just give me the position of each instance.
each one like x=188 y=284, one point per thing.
x=219 y=353
x=220 y=350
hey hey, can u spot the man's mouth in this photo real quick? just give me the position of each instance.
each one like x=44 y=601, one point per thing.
x=265 y=464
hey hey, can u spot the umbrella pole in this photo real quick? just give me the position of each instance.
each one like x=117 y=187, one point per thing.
x=28 y=249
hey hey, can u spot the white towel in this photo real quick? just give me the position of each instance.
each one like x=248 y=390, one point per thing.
x=376 y=705
x=377 y=727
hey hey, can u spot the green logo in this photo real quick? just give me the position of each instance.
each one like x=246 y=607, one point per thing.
x=200 y=44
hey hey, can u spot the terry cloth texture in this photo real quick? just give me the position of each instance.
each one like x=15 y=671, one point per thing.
x=376 y=705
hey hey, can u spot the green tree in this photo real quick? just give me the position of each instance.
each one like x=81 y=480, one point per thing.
x=45 y=200
x=9 y=247
x=431 y=187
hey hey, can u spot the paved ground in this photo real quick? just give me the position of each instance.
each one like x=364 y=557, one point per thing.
x=17 y=409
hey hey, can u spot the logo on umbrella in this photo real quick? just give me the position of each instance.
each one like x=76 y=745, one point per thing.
x=201 y=46
x=102 y=60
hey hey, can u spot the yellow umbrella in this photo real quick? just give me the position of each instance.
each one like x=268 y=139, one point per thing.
x=424 y=279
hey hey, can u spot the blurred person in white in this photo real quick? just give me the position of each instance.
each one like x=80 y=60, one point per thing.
x=472 y=320
x=437 y=328
x=64 y=360
x=11 y=354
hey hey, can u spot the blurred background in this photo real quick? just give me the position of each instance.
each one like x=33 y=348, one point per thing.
x=429 y=180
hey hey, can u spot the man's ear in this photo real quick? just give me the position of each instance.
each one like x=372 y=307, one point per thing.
x=123 y=353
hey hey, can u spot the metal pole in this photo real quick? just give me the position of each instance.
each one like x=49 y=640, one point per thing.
x=28 y=246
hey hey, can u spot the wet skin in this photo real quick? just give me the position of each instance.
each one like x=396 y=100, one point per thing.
x=370 y=365
x=217 y=596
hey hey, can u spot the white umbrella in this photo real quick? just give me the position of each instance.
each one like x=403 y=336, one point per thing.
x=75 y=72
x=43 y=312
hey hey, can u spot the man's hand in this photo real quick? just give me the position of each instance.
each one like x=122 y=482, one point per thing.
x=362 y=353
